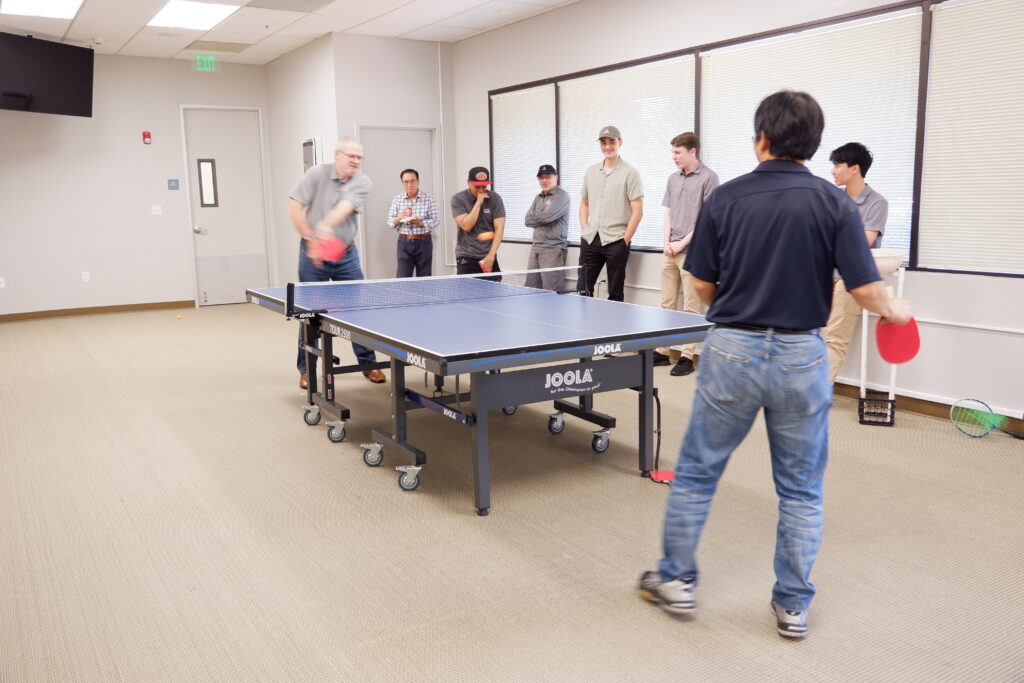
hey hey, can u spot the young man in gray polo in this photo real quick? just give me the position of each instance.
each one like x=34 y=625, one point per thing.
x=850 y=164
x=685 y=193
x=608 y=223
x=549 y=218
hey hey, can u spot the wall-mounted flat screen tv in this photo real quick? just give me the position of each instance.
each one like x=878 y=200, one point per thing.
x=46 y=77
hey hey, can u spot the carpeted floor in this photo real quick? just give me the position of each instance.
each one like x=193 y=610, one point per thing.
x=166 y=515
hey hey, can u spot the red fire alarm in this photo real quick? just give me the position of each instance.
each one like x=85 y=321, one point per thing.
x=147 y=138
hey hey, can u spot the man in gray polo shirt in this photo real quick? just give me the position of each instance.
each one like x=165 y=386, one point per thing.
x=611 y=206
x=850 y=164
x=549 y=218
x=326 y=204
x=685 y=193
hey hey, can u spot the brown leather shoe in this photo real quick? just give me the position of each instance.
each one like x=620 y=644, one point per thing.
x=375 y=376
x=303 y=380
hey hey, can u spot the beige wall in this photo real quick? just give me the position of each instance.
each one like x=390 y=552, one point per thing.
x=75 y=193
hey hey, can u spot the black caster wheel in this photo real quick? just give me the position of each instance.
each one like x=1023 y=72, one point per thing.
x=336 y=434
x=600 y=444
x=311 y=417
x=373 y=459
x=510 y=410
x=408 y=482
x=556 y=425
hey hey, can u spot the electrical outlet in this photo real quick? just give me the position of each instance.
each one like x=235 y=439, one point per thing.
x=85 y=276
x=156 y=209
x=3 y=282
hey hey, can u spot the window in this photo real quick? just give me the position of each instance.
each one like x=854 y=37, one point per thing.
x=523 y=130
x=650 y=104
x=863 y=73
x=970 y=200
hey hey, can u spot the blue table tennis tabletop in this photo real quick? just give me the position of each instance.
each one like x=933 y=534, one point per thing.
x=481 y=317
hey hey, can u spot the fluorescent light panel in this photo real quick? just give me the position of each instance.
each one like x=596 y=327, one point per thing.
x=201 y=16
x=53 y=9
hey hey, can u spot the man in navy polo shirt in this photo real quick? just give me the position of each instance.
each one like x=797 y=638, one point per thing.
x=762 y=256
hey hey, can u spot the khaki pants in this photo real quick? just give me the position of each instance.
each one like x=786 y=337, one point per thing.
x=676 y=281
x=842 y=321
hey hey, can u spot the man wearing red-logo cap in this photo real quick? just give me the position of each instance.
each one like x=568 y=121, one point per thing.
x=480 y=214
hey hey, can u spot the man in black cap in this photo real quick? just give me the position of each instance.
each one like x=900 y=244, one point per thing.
x=480 y=215
x=549 y=218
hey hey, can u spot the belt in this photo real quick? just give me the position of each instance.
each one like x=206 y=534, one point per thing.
x=763 y=330
x=414 y=237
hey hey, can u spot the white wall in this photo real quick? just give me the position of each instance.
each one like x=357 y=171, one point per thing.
x=301 y=93
x=75 y=193
x=955 y=362
x=392 y=82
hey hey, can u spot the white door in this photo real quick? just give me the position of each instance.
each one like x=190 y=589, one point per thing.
x=225 y=171
x=386 y=153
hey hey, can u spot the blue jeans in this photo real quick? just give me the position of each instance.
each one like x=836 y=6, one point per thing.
x=345 y=269
x=741 y=372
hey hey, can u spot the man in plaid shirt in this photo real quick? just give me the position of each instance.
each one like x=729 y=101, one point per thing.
x=414 y=215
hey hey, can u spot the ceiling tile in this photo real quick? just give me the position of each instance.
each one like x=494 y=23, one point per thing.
x=278 y=44
x=386 y=27
x=292 y=5
x=362 y=8
x=319 y=24
x=137 y=12
x=441 y=34
x=40 y=27
x=427 y=12
x=150 y=43
x=251 y=19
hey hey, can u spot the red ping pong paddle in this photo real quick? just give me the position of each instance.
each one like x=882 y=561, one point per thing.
x=897 y=343
x=332 y=249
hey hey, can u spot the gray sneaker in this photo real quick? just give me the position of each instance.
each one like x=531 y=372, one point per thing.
x=677 y=596
x=790 y=624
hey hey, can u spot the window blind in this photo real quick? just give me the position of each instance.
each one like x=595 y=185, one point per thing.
x=863 y=73
x=970 y=204
x=523 y=135
x=650 y=104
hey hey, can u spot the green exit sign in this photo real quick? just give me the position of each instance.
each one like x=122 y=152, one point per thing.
x=206 y=63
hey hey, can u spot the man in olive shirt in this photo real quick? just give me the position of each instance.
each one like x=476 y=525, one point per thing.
x=478 y=211
x=608 y=222
x=685 y=193
x=549 y=218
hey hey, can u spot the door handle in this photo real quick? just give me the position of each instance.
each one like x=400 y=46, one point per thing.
x=199 y=230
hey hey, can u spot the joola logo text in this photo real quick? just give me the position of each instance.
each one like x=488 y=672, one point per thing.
x=414 y=359
x=568 y=378
x=602 y=349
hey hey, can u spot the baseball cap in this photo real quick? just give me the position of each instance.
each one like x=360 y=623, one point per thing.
x=546 y=168
x=478 y=175
x=609 y=132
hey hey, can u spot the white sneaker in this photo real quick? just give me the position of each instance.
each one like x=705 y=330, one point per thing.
x=790 y=624
x=677 y=596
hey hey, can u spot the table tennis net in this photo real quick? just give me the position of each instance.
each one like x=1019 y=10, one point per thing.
x=368 y=294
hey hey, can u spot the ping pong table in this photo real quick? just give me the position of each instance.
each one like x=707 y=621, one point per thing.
x=476 y=326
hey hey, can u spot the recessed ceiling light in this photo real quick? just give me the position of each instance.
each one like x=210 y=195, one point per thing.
x=54 y=9
x=200 y=16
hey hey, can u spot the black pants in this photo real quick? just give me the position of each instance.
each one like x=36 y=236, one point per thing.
x=613 y=256
x=466 y=266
